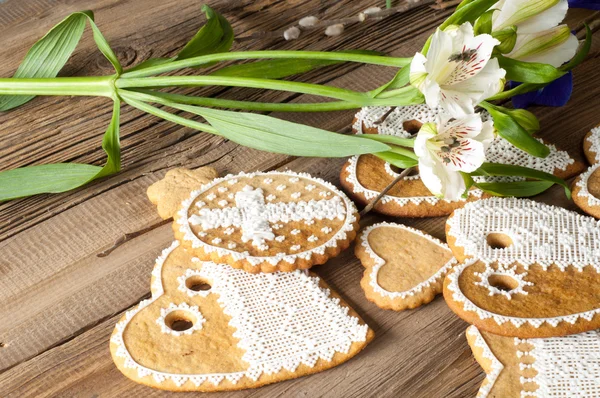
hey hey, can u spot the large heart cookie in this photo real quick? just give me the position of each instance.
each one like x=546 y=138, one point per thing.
x=529 y=270
x=586 y=187
x=553 y=367
x=267 y=222
x=365 y=176
x=209 y=327
x=404 y=267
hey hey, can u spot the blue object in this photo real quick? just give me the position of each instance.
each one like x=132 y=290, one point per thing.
x=591 y=4
x=556 y=93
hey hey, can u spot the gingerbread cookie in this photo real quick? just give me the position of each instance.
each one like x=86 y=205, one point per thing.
x=586 y=187
x=552 y=367
x=267 y=222
x=168 y=193
x=209 y=327
x=530 y=269
x=365 y=176
x=404 y=267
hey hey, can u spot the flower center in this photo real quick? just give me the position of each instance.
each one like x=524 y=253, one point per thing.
x=463 y=56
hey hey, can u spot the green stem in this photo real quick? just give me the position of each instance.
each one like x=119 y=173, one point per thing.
x=391 y=139
x=205 y=59
x=163 y=98
x=169 y=116
x=404 y=152
x=361 y=99
x=87 y=86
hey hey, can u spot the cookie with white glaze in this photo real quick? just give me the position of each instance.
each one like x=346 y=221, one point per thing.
x=551 y=368
x=528 y=269
x=586 y=187
x=364 y=177
x=404 y=267
x=267 y=222
x=210 y=327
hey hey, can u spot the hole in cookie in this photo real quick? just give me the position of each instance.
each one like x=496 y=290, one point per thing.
x=180 y=320
x=505 y=283
x=197 y=284
x=498 y=240
x=412 y=126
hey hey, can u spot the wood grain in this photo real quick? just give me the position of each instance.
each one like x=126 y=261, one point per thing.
x=59 y=301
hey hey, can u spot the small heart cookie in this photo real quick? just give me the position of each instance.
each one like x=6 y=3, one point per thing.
x=209 y=327
x=529 y=269
x=553 y=367
x=404 y=267
x=267 y=222
x=586 y=187
x=364 y=177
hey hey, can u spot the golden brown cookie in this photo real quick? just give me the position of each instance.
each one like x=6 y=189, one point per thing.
x=168 y=193
x=530 y=270
x=267 y=222
x=553 y=367
x=591 y=145
x=364 y=177
x=586 y=191
x=404 y=267
x=209 y=327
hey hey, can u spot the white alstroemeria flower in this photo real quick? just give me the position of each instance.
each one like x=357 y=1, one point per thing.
x=529 y=16
x=457 y=72
x=448 y=147
x=553 y=46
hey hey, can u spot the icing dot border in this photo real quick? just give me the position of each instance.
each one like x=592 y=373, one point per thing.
x=583 y=185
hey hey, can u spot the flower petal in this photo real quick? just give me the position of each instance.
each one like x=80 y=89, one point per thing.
x=530 y=16
x=483 y=85
x=554 y=46
x=546 y=19
x=441 y=181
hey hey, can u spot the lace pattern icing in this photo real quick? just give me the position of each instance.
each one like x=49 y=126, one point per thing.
x=583 y=184
x=379 y=262
x=191 y=309
x=339 y=200
x=566 y=366
x=282 y=320
x=594 y=139
x=496 y=365
x=540 y=233
x=510 y=272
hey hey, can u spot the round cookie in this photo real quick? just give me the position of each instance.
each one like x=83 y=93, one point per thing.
x=404 y=267
x=267 y=222
x=586 y=187
x=364 y=177
x=209 y=327
x=529 y=270
x=553 y=367
x=591 y=145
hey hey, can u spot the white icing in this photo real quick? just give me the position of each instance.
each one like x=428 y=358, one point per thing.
x=496 y=365
x=182 y=286
x=594 y=140
x=583 y=185
x=510 y=272
x=379 y=262
x=500 y=151
x=282 y=320
x=566 y=366
x=540 y=233
x=191 y=311
x=339 y=206
x=254 y=217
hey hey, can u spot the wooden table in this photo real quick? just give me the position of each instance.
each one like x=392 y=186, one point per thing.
x=59 y=301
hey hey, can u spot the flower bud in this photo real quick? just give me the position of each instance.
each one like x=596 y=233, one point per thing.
x=553 y=46
x=507 y=38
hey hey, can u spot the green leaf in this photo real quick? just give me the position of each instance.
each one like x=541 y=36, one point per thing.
x=47 y=56
x=519 y=188
x=469 y=182
x=280 y=68
x=483 y=24
x=526 y=119
x=529 y=72
x=582 y=53
x=102 y=44
x=403 y=162
x=274 y=135
x=62 y=177
x=509 y=129
x=401 y=79
x=507 y=170
x=149 y=63
x=468 y=12
x=216 y=36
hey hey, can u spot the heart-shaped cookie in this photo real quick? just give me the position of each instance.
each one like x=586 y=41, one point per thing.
x=404 y=267
x=267 y=222
x=210 y=327
x=364 y=177
x=551 y=368
x=530 y=269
